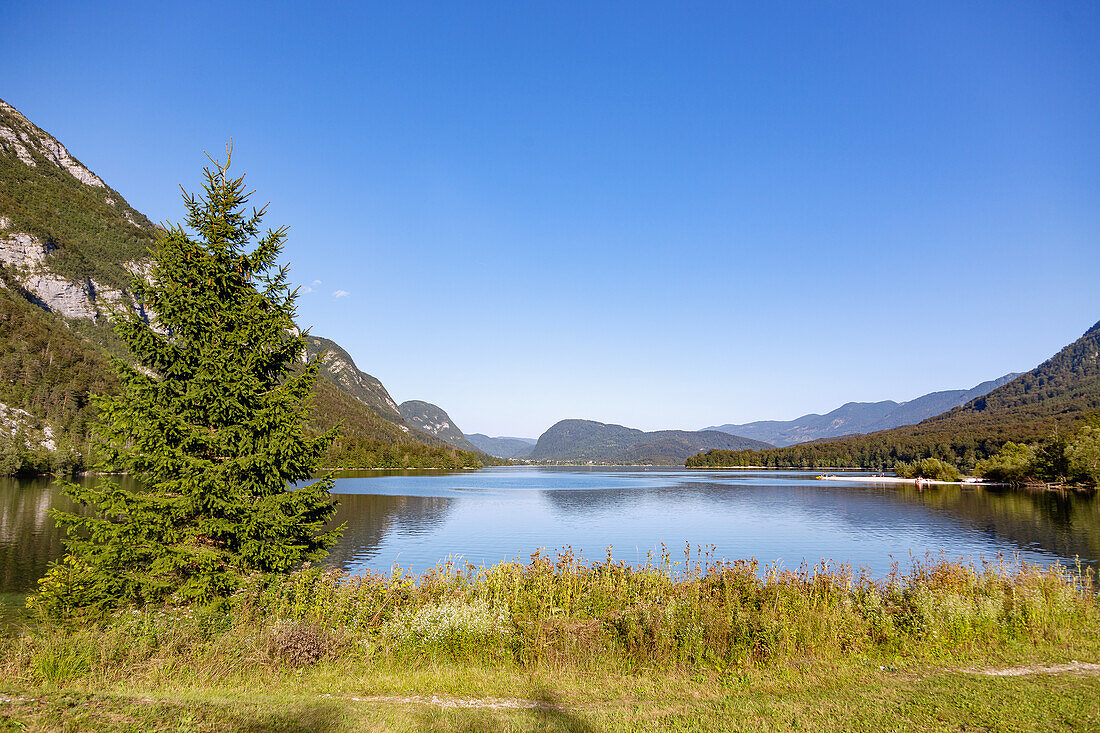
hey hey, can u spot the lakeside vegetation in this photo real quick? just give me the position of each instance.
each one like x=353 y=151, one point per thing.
x=1063 y=459
x=601 y=645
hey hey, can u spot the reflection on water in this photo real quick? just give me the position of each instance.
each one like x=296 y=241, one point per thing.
x=368 y=519
x=418 y=518
x=28 y=537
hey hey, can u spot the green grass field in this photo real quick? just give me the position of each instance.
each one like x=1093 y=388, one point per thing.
x=559 y=644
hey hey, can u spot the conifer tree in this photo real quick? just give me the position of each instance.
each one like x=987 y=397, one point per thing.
x=209 y=420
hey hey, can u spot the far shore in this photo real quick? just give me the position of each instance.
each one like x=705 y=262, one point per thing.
x=900 y=480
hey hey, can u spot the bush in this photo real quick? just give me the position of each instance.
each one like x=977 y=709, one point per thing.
x=1014 y=464
x=1083 y=454
x=929 y=468
x=299 y=643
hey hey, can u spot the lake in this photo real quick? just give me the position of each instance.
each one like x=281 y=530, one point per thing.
x=416 y=519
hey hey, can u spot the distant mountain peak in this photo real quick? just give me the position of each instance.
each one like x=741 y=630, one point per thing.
x=502 y=446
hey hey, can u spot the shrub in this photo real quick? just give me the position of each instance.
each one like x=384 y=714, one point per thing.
x=1014 y=464
x=929 y=468
x=299 y=643
x=1083 y=454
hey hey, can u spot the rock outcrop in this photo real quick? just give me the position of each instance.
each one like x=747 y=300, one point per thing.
x=24 y=137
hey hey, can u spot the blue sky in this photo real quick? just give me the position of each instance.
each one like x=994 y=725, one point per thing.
x=661 y=215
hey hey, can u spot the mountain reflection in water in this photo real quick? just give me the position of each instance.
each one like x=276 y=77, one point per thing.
x=416 y=519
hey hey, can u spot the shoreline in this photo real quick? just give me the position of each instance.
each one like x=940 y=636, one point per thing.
x=900 y=480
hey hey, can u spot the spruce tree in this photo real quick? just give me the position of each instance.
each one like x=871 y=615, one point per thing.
x=210 y=421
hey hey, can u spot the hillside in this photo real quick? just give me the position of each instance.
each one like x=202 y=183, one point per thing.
x=502 y=447
x=432 y=419
x=69 y=246
x=1054 y=396
x=338 y=367
x=860 y=417
x=583 y=441
x=67 y=239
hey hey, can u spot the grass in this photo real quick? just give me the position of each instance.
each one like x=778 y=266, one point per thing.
x=560 y=644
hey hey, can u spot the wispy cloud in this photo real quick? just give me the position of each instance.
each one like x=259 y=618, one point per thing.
x=340 y=294
x=305 y=289
x=316 y=283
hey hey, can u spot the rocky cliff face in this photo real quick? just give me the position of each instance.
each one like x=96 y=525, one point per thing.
x=339 y=368
x=32 y=260
x=35 y=433
x=24 y=139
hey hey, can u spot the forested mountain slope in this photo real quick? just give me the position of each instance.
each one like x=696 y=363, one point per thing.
x=432 y=419
x=338 y=367
x=582 y=441
x=1053 y=396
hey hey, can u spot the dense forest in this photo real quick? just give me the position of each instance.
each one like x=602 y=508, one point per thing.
x=49 y=371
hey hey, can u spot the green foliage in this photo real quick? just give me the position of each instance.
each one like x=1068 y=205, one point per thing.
x=209 y=423
x=930 y=468
x=49 y=371
x=1014 y=464
x=1083 y=455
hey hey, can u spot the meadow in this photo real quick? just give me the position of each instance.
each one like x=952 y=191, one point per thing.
x=559 y=643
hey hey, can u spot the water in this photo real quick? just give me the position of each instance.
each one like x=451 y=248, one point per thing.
x=417 y=519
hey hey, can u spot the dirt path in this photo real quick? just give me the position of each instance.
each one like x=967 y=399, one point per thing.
x=506 y=703
x=1085 y=668
x=491 y=703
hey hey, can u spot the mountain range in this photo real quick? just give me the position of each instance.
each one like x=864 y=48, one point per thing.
x=503 y=447
x=70 y=245
x=861 y=417
x=1040 y=405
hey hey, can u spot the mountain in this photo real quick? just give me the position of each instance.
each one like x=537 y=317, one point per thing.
x=433 y=420
x=596 y=442
x=1052 y=397
x=502 y=447
x=338 y=367
x=860 y=417
x=69 y=247
x=67 y=240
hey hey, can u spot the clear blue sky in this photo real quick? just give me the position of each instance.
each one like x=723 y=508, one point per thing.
x=661 y=215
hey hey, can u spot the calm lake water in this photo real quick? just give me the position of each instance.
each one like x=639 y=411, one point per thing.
x=417 y=519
